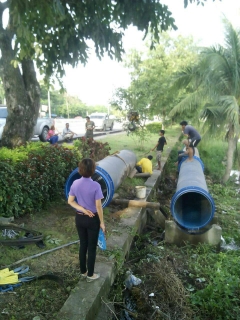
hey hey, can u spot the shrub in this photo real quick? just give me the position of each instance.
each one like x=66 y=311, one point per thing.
x=92 y=149
x=11 y=196
x=19 y=153
x=30 y=183
x=35 y=174
x=154 y=127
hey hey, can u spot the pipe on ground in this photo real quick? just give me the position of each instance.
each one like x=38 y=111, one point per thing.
x=109 y=173
x=192 y=207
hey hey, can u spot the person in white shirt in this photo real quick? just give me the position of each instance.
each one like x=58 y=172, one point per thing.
x=67 y=133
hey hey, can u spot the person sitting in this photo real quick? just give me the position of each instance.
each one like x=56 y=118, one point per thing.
x=186 y=152
x=145 y=165
x=182 y=152
x=52 y=137
x=190 y=152
x=67 y=133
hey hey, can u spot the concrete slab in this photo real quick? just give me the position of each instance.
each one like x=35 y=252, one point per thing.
x=175 y=235
x=157 y=217
x=152 y=181
x=107 y=310
x=85 y=300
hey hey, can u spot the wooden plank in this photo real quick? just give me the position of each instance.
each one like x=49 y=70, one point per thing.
x=137 y=203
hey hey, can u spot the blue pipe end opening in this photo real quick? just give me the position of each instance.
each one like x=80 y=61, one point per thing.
x=192 y=208
x=100 y=176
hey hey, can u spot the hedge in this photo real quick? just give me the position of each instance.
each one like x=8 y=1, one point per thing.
x=34 y=175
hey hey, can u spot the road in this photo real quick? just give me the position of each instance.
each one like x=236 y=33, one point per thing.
x=78 y=126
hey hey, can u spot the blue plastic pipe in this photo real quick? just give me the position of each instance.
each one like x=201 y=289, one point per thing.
x=186 y=157
x=109 y=173
x=192 y=207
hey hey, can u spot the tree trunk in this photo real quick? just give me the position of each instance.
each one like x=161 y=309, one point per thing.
x=232 y=145
x=22 y=92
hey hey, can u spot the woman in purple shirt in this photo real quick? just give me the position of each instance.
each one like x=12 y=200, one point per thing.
x=85 y=196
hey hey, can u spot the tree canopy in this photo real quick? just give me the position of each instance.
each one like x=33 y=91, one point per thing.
x=57 y=32
x=186 y=2
x=152 y=75
x=50 y=34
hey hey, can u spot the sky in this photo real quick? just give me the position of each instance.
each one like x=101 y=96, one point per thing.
x=95 y=83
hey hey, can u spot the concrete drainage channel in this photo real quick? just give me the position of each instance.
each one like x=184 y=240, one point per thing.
x=85 y=300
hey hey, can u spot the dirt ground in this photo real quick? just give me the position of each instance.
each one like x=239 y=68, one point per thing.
x=43 y=298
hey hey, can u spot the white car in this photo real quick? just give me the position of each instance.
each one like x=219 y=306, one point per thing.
x=102 y=121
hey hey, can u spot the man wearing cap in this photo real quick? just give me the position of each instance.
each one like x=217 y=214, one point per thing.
x=191 y=133
x=90 y=125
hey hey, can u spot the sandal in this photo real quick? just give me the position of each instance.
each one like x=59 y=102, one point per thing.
x=83 y=275
x=94 y=277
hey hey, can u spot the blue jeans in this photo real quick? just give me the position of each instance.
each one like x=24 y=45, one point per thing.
x=53 y=139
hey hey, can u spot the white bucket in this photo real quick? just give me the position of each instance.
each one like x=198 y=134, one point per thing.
x=140 y=192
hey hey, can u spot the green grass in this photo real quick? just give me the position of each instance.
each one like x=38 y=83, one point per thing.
x=213 y=152
x=142 y=148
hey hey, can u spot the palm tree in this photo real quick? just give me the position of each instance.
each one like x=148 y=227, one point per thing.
x=212 y=87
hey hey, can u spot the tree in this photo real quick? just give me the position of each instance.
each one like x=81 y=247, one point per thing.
x=61 y=103
x=186 y=2
x=1 y=92
x=56 y=33
x=213 y=89
x=152 y=73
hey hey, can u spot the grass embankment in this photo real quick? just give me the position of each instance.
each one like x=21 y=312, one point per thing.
x=142 y=146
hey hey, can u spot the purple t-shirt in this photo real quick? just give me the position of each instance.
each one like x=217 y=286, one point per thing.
x=87 y=192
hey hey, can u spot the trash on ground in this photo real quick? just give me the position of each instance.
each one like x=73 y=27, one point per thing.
x=230 y=246
x=131 y=280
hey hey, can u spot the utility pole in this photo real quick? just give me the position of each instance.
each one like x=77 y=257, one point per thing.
x=49 y=105
x=67 y=106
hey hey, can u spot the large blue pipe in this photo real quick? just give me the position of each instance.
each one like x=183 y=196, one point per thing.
x=192 y=207
x=109 y=173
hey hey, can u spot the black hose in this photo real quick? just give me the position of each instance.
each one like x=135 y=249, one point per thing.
x=31 y=236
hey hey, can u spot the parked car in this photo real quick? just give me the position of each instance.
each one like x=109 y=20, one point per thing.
x=102 y=121
x=40 y=129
